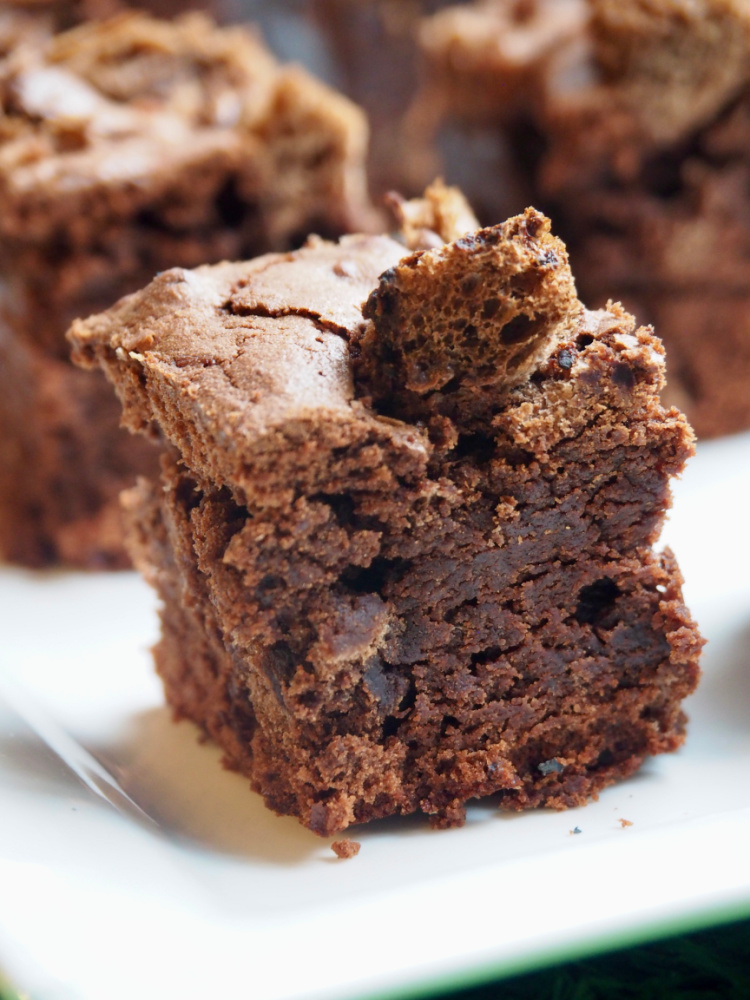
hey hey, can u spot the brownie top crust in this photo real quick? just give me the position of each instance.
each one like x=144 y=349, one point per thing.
x=95 y=120
x=236 y=363
x=244 y=368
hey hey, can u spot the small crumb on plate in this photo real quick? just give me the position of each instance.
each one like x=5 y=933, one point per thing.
x=345 y=848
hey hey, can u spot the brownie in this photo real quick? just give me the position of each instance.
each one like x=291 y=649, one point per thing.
x=371 y=46
x=46 y=17
x=403 y=530
x=628 y=123
x=63 y=461
x=129 y=146
x=18 y=23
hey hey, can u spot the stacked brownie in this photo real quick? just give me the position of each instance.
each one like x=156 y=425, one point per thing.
x=127 y=147
x=404 y=548
x=629 y=123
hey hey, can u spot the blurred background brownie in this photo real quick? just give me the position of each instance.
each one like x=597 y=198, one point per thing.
x=630 y=124
x=58 y=15
x=372 y=47
x=126 y=147
x=626 y=122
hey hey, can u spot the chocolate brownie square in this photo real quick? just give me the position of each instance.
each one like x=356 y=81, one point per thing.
x=403 y=531
x=126 y=147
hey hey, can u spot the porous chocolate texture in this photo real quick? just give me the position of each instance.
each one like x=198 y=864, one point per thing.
x=628 y=124
x=129 y=146
x=374 y=613
x=453 y=339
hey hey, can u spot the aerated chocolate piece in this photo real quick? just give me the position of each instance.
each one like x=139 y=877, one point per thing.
x=454 y=328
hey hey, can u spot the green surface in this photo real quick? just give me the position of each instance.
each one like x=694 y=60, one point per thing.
x=706 y=965
x=473 y=983
x=6 y=993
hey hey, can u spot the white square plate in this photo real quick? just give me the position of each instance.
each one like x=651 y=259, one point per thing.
x=133 y=865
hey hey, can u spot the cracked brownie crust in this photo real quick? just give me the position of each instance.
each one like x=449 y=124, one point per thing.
x=380 y=602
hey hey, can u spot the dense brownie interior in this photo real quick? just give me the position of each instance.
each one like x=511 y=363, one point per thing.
x=379 y=601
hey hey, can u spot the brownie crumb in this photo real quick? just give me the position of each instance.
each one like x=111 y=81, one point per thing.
x=346 y=848
x=454 y=329
x=442 y=215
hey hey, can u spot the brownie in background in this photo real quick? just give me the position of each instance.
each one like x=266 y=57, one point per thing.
x=126 y=147
x=373 y=48
x=629 y=123
x=52 y=16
